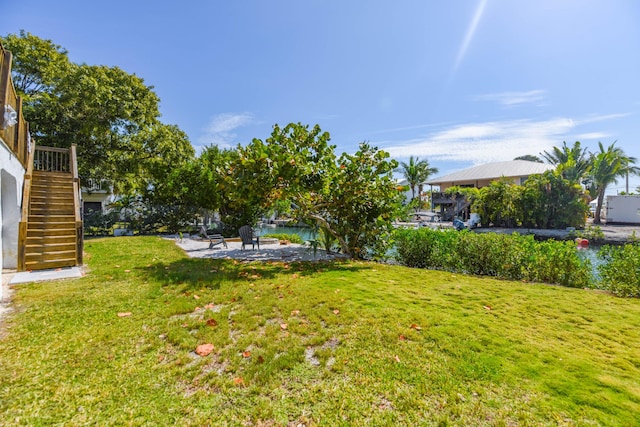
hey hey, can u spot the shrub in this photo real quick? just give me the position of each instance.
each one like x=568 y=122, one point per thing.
x=293 y=238
x=97 y=223
x=620 y=273
x=512 y=257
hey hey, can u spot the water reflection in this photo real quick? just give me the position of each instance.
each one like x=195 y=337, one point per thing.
x=591 y=254
x=304 y=232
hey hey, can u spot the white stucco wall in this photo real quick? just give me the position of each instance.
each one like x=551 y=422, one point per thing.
x=11 y=181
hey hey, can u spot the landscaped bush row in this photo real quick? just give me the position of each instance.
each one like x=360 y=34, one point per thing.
x=620 y=271
x=512 y=257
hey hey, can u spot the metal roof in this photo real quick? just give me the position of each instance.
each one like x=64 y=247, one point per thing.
x=513 y=168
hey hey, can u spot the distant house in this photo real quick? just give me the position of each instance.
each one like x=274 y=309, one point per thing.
x=96 y=196
x=402 y=182
x=480 y=176
x=483 y=175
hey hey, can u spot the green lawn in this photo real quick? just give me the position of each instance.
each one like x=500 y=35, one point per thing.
x=347 y=343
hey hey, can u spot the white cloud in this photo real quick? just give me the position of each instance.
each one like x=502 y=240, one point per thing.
x=599 y=136
x=485 y=142
x=602 y=117
x=510 y=99
x=221 y=129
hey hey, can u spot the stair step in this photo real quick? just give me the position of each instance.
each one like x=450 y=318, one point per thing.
x=45 y=240
x=51 y=256
x=46 y=265
x=43 y=191
x=52 y=179
x=51 y=240
x=57 y=201
x=38 y=233
x=51 y=218
x=52 y=174
x=66 y=180
x=50 y=226
x=42 y=186
x=38 y=211
x=47 y=248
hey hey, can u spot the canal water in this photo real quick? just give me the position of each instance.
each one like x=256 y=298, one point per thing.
x=304 y=232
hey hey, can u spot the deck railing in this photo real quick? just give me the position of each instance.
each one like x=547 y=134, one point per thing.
x=14 y=129
x=52 y=159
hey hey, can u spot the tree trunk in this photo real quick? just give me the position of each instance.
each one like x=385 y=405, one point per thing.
x=343 y=243
x=596 y=218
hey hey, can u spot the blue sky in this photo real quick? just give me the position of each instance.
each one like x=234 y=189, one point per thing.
x=458 y=83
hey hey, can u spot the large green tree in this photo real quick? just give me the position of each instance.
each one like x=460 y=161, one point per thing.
x=353 y=197
x=38 y=64
x=103 y=110
x=608 y=165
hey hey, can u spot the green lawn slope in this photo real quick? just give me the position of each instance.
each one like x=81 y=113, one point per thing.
x=345 y=343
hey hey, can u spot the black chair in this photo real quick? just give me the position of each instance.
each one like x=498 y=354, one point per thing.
x=214 y=239
x=248 y=237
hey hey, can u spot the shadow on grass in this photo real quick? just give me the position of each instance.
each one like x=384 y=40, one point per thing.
x=211 y=273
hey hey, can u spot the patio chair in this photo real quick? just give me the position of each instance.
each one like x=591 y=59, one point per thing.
x=214 y=239
x=248 y=237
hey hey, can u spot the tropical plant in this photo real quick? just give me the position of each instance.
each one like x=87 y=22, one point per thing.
x=416 y=172
x=529 y=158
x=544 y=201
x=608 y=165
x=571 y=163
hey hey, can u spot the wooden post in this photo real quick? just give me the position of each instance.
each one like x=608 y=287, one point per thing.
x=22 y=246
x=77 y=205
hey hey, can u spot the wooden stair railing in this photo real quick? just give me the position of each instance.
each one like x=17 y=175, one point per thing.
x=77 y=205
x=50 y=234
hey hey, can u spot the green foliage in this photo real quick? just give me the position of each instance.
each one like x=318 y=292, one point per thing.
x=551 y=201
x=416 y=172
x=498 y=204
x=353 y=197
x=362 y=203
x=145 y=217
x=607 y=166
x=511 y=257
x=293 y=238
x=529 y=158
x=37 y=65
x=544 y=201
x=111 y=115
x=620 y=271
x=97 y=223
x=593 y=233
x=572 y=163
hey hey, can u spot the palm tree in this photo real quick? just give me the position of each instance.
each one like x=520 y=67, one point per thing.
x=416 y=172
x=571 y=163
x=607 y=166
x=529 y=158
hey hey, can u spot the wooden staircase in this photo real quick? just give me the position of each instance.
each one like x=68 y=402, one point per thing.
x=51 y=228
